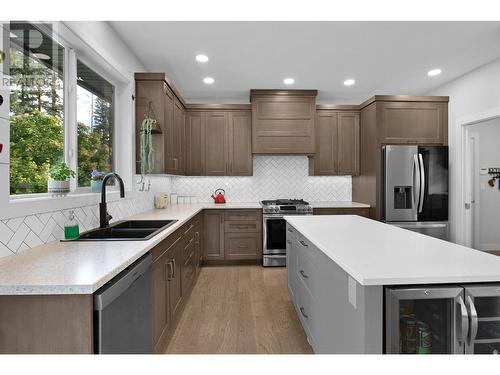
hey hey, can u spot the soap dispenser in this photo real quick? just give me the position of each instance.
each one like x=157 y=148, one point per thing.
x=71 y=230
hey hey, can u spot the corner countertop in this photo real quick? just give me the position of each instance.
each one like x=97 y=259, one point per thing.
x=375 y=253
x=81 y=267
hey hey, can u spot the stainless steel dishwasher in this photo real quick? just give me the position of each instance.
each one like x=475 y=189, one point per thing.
x=122 y=311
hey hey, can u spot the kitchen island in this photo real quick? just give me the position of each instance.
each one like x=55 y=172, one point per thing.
x=351 y=278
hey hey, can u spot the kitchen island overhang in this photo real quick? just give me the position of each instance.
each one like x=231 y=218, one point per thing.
x=339 y=269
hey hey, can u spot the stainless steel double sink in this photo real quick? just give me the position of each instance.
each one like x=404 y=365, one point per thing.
x=127 y=230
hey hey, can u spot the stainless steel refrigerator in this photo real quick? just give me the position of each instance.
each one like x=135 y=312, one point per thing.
x=456 y=319
x=415 y=188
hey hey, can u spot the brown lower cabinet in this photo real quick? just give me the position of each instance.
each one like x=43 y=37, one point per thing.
x=176 y=263
x=232 y=235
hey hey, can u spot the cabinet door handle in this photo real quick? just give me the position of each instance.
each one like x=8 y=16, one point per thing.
x=303 y=243
x=173 y=273
x=303 y=313
x=303 y=274
x=290 y=230
x=170 y=271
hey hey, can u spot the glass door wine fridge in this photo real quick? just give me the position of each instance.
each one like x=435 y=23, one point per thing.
x=443 y=319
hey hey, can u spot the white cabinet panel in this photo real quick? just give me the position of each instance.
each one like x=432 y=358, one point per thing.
x=4 y=100
x=4 y=141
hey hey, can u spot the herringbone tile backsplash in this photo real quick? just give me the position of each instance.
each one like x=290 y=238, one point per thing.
x=273 y=177
x=21 y=233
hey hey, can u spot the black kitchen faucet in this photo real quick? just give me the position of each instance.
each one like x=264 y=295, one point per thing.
x=104 y=216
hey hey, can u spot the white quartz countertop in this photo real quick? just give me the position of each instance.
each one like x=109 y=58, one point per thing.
x=82 y=267
x=374 y=253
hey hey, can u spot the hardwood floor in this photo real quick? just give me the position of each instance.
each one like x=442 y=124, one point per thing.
x=239 y=310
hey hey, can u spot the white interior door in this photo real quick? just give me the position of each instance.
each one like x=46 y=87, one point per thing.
x=470 y=147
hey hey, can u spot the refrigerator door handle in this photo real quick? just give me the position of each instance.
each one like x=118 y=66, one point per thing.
x=463 y=321
x=416 y=182
x=422 y=183
x=473 y=320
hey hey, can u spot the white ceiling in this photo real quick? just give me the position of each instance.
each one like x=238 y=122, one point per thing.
x=383 y=57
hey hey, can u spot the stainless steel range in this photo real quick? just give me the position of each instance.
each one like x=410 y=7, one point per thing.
x=274 y=227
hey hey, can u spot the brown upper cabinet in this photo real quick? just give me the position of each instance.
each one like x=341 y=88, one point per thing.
x=240 y=143
x=150 y=100
x=156 y=97
x=283 y=121
x=411 y=120
x=174 y=153
x=218 y=143
x=195 y=144
x=337 y=144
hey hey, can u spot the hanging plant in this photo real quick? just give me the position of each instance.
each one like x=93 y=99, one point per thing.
x=147 y=150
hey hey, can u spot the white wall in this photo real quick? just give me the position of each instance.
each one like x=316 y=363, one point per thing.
x=473 y=93
x=487 y=198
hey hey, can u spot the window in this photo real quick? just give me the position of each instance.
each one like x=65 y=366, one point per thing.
x=37 y=107
x=95 y=109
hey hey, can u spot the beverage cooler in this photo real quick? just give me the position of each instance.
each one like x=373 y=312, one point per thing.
x=443 y=320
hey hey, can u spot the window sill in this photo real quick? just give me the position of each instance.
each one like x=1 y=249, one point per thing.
x=82 y=192
x=29 y=204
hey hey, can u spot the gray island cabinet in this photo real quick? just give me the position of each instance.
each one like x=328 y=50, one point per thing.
x=361 y=286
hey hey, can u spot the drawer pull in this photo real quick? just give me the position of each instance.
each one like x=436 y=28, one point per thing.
x=303 y=313
x=303 y=243
x=303 y=274
x=243 y=247
x=290 y=230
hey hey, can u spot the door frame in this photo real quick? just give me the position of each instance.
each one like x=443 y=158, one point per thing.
x=463 y=225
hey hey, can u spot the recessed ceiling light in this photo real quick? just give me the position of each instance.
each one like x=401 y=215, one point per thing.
x=434 y=72
x=349 y=82
x=41 y=56
x=208 y=80
x=288 y=81
x=202 y=58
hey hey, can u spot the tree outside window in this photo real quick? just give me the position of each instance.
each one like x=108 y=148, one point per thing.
x=95 y=124
x=37 y=99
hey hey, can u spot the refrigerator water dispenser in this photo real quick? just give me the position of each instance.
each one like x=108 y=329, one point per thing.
x=402 y=197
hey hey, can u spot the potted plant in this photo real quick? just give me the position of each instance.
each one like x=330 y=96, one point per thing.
x=59 y=175
x=96 y=181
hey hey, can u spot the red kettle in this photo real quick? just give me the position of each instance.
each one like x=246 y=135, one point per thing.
x=219 y=196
